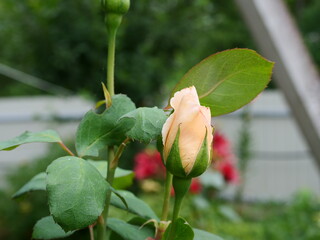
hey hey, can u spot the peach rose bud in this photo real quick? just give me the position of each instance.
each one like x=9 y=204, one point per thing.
x=187 y=135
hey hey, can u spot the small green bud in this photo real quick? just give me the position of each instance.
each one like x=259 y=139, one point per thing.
x=120 y=7
x=115 y=9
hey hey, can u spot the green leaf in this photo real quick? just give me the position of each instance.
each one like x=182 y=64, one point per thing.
x=201 y=235
x=122 y=182
x=229 y=213
x=148 y=123
x=228 y=80
x=122 y=230
x=96 y=131
x=76 y=192
x=46 y=228
x=212 y=178
x=47 y=136
x=38 y=182
x=183 y=230
x=122 y=179
x=135 y=205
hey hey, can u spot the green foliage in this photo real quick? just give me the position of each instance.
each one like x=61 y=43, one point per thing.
x=125 y=231
x=154 y=51
x=96 y=131
x=76 y=192
x=30 y=137
x=29 y=208
x=148 y=123
x=51 y=38
x=134 y=205
x=200 y=235
x=299 y=220
x=46 y=228
x=228 y=80
x=122 y=179
x=183 y=231
x=37 y=183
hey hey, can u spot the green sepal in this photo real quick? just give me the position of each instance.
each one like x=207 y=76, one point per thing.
x=173 y=162
x=181 y=186
x=202 y=161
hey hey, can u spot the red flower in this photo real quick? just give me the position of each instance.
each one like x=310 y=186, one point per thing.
x=225 y=158
x=229 y=171
x=221 y=145
x=148 y=164
x=195 y=187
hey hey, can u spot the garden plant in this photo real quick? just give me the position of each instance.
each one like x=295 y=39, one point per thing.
x=82 y=186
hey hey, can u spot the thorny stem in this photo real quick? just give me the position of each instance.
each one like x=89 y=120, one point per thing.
x=166 y=205
x=113 y=160
x=64 y=147
x=119 y=152
x=110 y=63
x=102 y=220
x=166 y=199
x=91 y=232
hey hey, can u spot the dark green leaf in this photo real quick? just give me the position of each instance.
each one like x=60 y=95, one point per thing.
x=201 y=235
x=46 y=228
x=30 y=137
x=228 y=80
x=122 y=179
x=125 y=231
x=183 y=231
x=96 y=131
x=148 y=123
x=38 y=182
x=76 y=192
x=135 y=205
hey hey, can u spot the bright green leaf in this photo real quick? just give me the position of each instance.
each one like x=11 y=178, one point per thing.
x=76 y=192
x=228 y=80
x=148 y=123
x=125 y=231
x=122 y=182
x=135 y=205
x=46 y=228
x=38 y=182
x=183 y=230
x=47 y=136
x=96 y=131
x=122 y=179
x=201 y=235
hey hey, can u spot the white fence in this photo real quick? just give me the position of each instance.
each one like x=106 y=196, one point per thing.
x=281 y=163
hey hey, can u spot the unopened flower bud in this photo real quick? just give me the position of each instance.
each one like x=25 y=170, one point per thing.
x=117 y=6
x=187 y=135
x=115 y=9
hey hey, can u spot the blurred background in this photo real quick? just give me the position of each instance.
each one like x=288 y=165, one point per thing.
x=264 y=184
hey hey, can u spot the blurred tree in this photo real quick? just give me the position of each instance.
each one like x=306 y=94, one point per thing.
x=64 y=42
